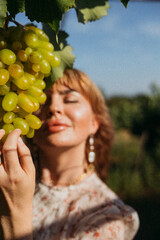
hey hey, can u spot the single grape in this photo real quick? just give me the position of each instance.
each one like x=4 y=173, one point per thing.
x=17 y=45
x=4 y=76
x=55 y=62
x=2 y=65
x=46 y=45
x=34 y=91
x=30 y=133
x=21 y=124
x=26 y=103
x=21 y=82
x=31 y=39
x=7 y=56
x=10 y=101
x=45 y=67
x=8 y=128
x=3 y=44
x=35 y=101
x=35 y=57
x=15 y=70
x=42 y=98
x=5 y=88
x=9 y=117
x=22 y=55
x=33 y=121
x=36 y=67
x=40 y=84
x=28 y=50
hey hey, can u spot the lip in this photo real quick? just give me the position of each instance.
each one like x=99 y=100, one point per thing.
x=54 y=126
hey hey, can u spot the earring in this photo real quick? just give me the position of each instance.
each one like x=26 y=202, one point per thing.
x=91 y=155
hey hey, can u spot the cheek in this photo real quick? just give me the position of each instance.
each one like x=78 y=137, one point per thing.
x=82 y=118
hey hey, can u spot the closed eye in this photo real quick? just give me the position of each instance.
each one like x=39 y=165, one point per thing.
x=70 y=101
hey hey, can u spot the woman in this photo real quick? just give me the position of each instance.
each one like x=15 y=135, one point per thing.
x=70 y=201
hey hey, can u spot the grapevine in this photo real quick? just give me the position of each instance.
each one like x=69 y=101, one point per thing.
x=26 y=58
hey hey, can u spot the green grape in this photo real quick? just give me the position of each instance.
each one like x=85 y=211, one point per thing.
x=5 y=88
x=3 y=44
x=41 y=99
x=35 y=101
x=34 y=91
x=48 y=55
x=33 y=121
x=45 y=67
x=31 y=78
x=17 y=45
x=2 y=65
x=10 y=101
x=40 y=84
x=8 y=128
x=35 y=57
x=41 y=34
x=28 y=50
x=15 y=70
x=25 y=102
x=36 y=67
x=31 y=39
x=55 y=62
x=9 y=117
x=4 y=76
x=21 y=124
x=40 y=75
x=21 y=82
x=30 y=133
x=7 y=56
x=22 y=55
x=46 y=45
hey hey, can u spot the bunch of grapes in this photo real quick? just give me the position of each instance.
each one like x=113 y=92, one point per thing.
x=26 y=57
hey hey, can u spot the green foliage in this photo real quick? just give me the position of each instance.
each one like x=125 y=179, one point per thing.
x=3 y=11
x=91 y=10
x=63 y=50
x=125 y=2
x=15 y=6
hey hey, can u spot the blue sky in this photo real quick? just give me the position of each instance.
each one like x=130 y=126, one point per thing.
x=120 y=52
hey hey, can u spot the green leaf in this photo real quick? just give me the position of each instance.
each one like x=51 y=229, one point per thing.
x=89 y=10
x=3 y=12
x=58 y=40
x=67 y=60
x=125 y=2
x=15 y=6
x=48 y=11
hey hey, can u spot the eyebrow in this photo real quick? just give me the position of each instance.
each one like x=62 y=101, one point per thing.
x=67 y=91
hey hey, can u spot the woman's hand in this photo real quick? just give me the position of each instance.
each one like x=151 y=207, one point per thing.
x=17 y=185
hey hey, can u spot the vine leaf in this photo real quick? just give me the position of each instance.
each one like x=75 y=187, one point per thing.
x=125 y=2
x=48 y=11
x=15 y=6
x=3 y=12
x=89 y=10
x=63 y=50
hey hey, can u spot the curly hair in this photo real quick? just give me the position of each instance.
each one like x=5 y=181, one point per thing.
x=103 y=138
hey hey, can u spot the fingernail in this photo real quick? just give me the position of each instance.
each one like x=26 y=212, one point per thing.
x=19 y=130
x=20 y=140
x=2 y=131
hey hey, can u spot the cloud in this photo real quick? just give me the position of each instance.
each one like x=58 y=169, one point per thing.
x=151 y=28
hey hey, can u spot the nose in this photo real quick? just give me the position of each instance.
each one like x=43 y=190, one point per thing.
x=55 y=106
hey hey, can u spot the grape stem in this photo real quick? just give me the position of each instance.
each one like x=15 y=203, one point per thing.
x=10 y=19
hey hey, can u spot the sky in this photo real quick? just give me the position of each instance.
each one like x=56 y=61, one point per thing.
x=121 y=51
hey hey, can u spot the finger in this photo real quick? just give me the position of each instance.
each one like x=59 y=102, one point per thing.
x=2 y=132
x=11 y=160
x=24 y=156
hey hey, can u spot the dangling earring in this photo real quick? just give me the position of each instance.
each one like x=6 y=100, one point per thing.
x=91 y=155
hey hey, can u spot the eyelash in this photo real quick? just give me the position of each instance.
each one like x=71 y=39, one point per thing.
x=70 y=101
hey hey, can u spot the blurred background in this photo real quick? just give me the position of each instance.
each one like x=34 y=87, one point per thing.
x=121 y=54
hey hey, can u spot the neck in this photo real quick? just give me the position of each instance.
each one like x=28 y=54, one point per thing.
x=62 y=166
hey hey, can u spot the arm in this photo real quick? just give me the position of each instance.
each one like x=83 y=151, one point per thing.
x=17 y=185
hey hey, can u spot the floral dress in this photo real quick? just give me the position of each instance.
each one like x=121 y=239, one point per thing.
x=85 y=211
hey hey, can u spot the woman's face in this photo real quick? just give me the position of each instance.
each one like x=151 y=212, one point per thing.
x=67 y=119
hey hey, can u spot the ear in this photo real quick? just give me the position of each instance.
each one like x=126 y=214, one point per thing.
x=95 y=124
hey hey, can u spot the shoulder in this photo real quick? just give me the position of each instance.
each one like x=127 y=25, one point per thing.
x=106 y=214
